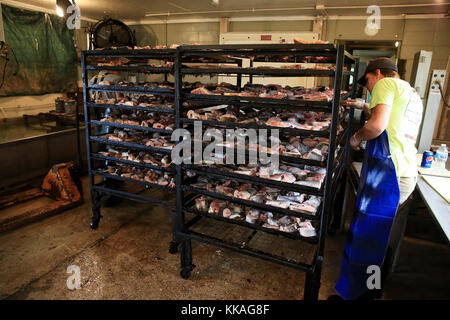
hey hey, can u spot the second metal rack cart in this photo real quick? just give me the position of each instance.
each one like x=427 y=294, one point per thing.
x=133 y=166
x=238 y=234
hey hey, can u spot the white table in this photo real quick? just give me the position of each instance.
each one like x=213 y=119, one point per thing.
x=437 y=206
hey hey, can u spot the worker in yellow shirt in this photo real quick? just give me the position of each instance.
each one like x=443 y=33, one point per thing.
x=389 y=176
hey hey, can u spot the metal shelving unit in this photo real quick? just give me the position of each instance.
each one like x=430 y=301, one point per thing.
x=138 y=63
x=188 y=222
x=184 y=230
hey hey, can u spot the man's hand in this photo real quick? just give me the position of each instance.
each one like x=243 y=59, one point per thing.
x=356 y=104
x=354 y=142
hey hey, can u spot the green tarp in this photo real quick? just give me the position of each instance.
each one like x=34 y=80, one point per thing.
x=45 y=52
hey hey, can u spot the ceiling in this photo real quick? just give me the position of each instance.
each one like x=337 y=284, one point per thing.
x=138 y=10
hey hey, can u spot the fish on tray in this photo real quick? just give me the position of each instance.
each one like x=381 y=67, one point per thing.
x=266 y=219
x=269 y=196
x=271 y=91
x=315 y=121
x=285 y=173
x=141 y=174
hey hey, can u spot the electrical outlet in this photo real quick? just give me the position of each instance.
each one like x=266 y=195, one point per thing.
x=437 y=80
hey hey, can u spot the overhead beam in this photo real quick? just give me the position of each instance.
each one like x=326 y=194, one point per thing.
x=31 y=7
x=224 y=24
x=279 y=18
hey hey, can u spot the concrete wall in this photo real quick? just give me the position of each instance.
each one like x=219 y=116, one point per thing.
x=430 y=35
x=414 y=34
x=31 y=158
x=179 y=33
x=257 y=26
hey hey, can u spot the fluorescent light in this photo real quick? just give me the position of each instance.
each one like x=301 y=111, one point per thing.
x=396 y=43
x=59 y=11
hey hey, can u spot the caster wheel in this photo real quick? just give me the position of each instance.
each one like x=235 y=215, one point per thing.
x=94 y=224
x=185 y=273
x=173 y=247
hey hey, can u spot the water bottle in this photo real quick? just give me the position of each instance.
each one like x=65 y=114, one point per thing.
x=441 y=157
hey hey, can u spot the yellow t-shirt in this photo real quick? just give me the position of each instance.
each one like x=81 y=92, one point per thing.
x=404 y=122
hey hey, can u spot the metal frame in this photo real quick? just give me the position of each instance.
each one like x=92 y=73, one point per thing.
x=185 y=194
x=335 y=165
x=99 y=192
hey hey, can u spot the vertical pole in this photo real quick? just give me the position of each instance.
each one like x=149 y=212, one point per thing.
x=352 y=112
x=339 y=217
x=332 y=146
x=177 y=217
x=239 y=76
x=77 y=124
x=251 y=76
x=313 y=277
x=94 y=195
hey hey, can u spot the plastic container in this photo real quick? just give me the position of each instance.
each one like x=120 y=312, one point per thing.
x=441 y=157
x=69 y=106
x=59 y=105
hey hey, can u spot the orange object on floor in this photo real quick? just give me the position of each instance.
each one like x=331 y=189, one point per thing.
x=58 y=185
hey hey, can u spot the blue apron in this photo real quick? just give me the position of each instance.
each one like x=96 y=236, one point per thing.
x=376 y=205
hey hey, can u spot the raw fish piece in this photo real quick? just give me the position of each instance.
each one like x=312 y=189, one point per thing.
x=307 y=232
x=279 y=204
x=216 y=206
x=242 y=194
x=200 y=204
x=303 y=208
x=266 y=225
x=226 y=213
x=235 y=216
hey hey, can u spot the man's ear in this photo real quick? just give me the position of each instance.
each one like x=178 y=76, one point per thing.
x=378 y=73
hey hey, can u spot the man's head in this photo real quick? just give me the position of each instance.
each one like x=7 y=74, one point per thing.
x=116 y=62
x=378 y=69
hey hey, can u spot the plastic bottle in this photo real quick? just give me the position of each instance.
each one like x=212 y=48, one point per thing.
x=441 y=157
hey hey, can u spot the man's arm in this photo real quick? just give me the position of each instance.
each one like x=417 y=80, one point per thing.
x=376 y=124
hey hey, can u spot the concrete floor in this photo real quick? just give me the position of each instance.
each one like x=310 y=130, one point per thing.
x=127 y=258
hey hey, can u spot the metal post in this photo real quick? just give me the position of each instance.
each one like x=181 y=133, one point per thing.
x=239 y=76
x=313 y=279
x=339 y=216
x=77 y=124
x=250 y=78
x=94 y=194
x=178 y=215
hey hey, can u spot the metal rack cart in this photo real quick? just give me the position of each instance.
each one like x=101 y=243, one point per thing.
x=239 y=235
x=138 y=190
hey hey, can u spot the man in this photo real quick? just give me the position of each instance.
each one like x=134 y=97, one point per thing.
x=390 y=109
x=396 y=108
x=106 y=77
